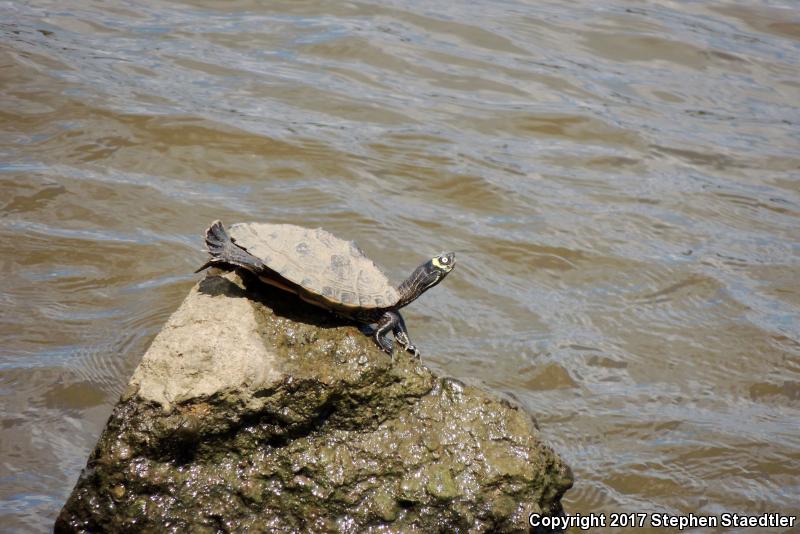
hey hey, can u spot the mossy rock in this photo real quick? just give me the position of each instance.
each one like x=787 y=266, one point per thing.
x=254 y=412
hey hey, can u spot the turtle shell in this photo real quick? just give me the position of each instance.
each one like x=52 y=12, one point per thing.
x=332 y=269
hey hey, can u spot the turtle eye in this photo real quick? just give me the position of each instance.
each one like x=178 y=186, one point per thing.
x=444 y=260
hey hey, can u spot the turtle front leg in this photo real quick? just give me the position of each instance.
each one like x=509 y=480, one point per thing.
x=387 y=323
x=401 y=335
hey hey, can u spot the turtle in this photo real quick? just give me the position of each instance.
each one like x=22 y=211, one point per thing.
x=326 y=271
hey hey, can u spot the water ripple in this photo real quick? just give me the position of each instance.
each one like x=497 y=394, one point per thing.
x=620 y=183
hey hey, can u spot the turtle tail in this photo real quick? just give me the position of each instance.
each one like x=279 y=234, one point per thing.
x=224 y=252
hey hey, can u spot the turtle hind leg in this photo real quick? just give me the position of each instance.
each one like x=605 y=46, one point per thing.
x=225 y=252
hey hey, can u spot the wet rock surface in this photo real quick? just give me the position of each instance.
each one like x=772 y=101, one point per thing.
x=252 y=411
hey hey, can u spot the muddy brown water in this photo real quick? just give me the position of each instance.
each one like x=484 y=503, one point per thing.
x=620 y=181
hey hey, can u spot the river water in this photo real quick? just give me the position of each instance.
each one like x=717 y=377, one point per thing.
x=620 y=181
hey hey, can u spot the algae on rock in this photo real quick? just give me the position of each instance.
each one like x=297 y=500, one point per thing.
x=252 y=411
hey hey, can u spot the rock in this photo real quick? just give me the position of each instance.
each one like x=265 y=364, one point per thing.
x=252 y=411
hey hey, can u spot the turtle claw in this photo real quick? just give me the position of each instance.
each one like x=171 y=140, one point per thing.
x=413 y=350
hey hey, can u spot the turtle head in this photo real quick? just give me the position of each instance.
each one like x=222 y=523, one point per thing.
x=441 y=264
x=426 y=276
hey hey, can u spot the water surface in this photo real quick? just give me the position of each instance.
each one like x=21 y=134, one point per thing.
x=620 y=180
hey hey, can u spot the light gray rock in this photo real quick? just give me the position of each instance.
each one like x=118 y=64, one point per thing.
x=211 y=345
x=252 y=411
